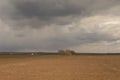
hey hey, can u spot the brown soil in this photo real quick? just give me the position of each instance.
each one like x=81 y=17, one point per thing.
x=81 y=67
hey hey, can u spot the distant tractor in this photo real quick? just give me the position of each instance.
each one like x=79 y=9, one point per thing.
x=66 y=52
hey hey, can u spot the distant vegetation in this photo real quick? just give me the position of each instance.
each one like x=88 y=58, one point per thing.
x=60 y=52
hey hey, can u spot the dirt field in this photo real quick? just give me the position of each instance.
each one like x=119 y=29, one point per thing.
x=82 y=67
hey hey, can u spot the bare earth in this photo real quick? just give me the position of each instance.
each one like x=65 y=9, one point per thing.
x=50 y=67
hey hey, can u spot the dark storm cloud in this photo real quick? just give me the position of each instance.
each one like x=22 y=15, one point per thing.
x=45 y=9
x=55 y=24
x=37 y=13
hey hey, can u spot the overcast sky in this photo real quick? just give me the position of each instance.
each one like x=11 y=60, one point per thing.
x=49 y=25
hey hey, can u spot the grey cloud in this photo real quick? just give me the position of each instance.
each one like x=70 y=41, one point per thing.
x=42 y=12
x=41 y=24
x=39 y=13
x=56 y=42
x=45 y=9
x=86 y=38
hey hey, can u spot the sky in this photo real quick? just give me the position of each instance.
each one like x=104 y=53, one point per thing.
x=50 y=25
